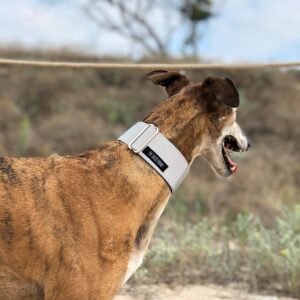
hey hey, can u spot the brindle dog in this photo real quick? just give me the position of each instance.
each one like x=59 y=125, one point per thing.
x=77 y=227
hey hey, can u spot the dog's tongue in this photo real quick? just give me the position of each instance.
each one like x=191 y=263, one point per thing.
x=233 y=165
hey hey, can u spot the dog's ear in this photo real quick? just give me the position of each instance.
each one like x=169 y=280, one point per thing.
x=222 y=89
x=172 y=81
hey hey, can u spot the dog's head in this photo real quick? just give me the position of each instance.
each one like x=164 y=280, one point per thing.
x=212 y=104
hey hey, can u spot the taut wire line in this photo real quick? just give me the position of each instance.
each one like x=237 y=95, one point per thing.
x=142 y=66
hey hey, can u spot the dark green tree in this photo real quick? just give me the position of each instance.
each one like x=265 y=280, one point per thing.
x=195 y=12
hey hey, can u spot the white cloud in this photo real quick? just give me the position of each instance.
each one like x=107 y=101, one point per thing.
x=253 y=30
x=34 y=25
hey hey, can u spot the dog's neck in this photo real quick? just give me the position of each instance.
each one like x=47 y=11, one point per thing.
x=179 y=121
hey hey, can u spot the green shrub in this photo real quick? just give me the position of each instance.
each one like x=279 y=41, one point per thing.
x=245 y=251
x=117 y=112
x=24 y=134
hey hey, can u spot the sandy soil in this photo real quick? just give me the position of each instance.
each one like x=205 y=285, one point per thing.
x=196 y=292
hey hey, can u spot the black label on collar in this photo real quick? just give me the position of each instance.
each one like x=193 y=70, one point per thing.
x=155 y=159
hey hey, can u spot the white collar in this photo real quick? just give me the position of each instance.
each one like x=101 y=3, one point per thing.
x=146 y=141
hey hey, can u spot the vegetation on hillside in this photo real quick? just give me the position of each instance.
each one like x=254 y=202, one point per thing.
x=244 y=251
x=245 y=228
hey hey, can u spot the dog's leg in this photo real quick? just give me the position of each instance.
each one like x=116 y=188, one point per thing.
x=71 y=287
x=67 y=283
x=80 y=283
x=13 y=289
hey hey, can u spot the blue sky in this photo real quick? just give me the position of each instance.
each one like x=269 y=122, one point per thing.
x=243 y=30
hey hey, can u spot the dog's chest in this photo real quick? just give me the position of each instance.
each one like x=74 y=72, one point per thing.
x=139 y=251
x=135 y=260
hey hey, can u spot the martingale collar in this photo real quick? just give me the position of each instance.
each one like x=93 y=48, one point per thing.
x=146 y=141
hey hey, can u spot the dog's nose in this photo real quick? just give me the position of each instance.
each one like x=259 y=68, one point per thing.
x=248 y=146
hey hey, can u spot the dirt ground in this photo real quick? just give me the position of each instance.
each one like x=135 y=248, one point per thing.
x=196 y=292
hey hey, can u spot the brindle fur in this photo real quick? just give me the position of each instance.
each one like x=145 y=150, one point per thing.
x=68 y=224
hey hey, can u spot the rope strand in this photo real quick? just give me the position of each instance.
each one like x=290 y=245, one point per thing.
x=141 y=66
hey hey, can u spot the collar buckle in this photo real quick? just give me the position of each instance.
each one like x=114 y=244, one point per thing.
x=140 y=135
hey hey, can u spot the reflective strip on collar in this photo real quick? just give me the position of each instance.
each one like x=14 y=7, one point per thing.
x=146 y=140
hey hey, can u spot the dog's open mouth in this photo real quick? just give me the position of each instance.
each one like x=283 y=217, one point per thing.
x=230 y=144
